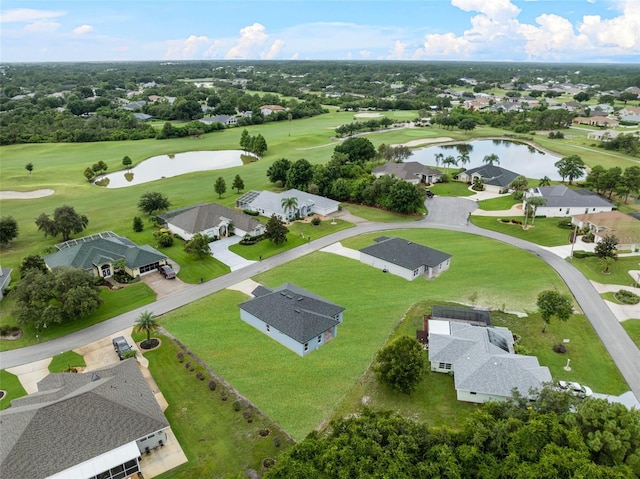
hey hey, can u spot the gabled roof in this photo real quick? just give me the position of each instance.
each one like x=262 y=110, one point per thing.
x=270 y=201
x=294 y=311
x=409 y=170
x=493 y=175
x=624 y=227
x=197 y=218
x=76 y=417
x=89 y=254
x=560 y=196
x=405 y=253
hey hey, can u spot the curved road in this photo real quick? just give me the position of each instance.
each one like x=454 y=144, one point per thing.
x=444 y=213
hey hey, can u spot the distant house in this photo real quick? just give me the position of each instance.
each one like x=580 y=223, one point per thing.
x=134 y=105
x=210 y=219
x=269 y=109
x=5 y=280
x=624 y=227
x=226 y=120
x=562 y=201
x=405 y=258
x=483 y=362
x=603 y=135
x=595 y=120
x=97 y=253
x=142 y=116
x=493 y=177
x=87 y=425
x=410 y=171
x=267 y=203
x=298 y=319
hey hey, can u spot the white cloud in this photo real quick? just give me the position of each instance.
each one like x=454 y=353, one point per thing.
x=250 y=37
x=365 y=53
x=192 y=47
x=42 y=26
x=398 y=51
x=273 y=50
x=446 y=45
x=26 y=15
x=498 y=10
x=83 y=29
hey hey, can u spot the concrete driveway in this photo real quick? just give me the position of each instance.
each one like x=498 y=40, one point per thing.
x=445 y=210
x=164 y=287
x=220 y=251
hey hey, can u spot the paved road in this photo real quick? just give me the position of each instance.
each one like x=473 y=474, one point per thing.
x=623 y=351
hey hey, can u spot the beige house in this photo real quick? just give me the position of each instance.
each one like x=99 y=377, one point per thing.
x=624 y=227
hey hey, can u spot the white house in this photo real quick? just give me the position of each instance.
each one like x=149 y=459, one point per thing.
x=79 y=426
x=212 y=220
x=267 y=203
x=405 y=258
x=410 y=171
x=482 y=361
x=298 y=319
x=563 y=201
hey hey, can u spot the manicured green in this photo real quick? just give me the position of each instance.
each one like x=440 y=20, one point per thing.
x=115 y=303
x=545 y=231
x=632 y=327
x=453 y=188
x=11 y=384
x=378 y=215
x=299 y=234
x=593 y=268
x=502 y=202
x=216 y=439
x=63 y=361
x=300 y=393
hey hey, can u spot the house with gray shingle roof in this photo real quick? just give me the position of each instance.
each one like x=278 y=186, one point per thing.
x=483 y=362
x=405 y=258
x=494 y=178
x=84 y=425
x=97 y=253
x=210 y=219
x=267 y=203
x=5 y=280
x=410 y=171
x=563 y=201
x=298 y=319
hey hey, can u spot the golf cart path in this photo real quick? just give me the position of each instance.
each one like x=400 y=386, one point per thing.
x=623 y=351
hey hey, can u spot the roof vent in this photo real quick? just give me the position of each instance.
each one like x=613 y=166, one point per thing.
x=283 y=293
x=94 y=377
x=297 y=310
x=300 y=298
x=408 y=242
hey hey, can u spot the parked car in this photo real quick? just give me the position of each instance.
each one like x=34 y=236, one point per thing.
x=575 y=388
x=167 y=272
x=121 y=346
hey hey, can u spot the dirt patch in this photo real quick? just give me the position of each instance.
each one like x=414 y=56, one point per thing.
x=25 y=195
x=11 y=334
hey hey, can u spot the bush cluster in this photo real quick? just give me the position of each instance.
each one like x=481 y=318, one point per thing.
x=559 y=348
x=627 y=297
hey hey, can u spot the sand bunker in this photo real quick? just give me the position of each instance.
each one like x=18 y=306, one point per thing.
x=425 y=141
x=368 y=115
x=24 y=195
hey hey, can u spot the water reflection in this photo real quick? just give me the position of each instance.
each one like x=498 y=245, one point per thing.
x=518 y=157
x=167 y=166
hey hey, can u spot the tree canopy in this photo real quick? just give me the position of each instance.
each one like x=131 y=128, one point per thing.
x=220 y=186
x=8 y=229
x=153 y=201
x=358 y=149
x=146 y=323
x=238 y=184
x=570 y=167
x=300 y=175
x=400 y=364
x=198 y=246
x=552 y=303
x=65 y=221
x=276 y=231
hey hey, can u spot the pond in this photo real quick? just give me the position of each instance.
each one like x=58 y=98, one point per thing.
x=517 y=157
x=167 y=166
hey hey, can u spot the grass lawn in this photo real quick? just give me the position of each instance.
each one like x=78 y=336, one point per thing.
x=503 y=202
x=632 y=327
x=592 y=268
x=115 y=303
x=378 y=215
x=217 y=440
x=300 y=393
x=62 y=362
x=545 y=231
x=453 y=188
x=11 y=384
x=299 y=233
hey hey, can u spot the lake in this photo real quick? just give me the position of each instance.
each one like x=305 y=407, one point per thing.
x=517 y=157
x=167 y=166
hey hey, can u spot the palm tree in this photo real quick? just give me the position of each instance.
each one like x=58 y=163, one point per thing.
x=289 y=205
x=463 y=158
x=146 y=322
x=491 y=159
x=449 y=160
x=545 y=181
x=439 y=158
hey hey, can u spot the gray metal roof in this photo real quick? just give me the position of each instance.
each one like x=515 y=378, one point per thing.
x=197 y=218
x=409 y=170
x=405 y=253
x=89 y=254
x=294 y=311
x=76 y=417
x=560 y=196
x=269 y=201
x=493 y=175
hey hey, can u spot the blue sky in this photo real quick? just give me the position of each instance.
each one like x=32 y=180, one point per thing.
x=585 y=31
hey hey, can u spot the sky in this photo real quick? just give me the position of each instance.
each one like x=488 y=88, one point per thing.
x=580 y=31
